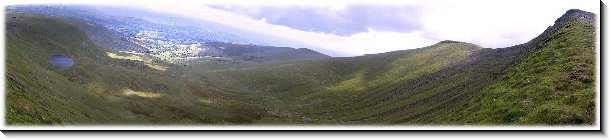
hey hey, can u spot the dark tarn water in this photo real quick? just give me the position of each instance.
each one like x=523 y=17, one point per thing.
x=61 y=61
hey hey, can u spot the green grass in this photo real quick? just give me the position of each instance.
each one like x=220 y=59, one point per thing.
x=100 y=89
x=553 y=86
x=345 y=89
x=548 y=80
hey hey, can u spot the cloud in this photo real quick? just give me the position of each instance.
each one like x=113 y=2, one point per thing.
x=489 y=24
x=344 y=20
x=496 y=24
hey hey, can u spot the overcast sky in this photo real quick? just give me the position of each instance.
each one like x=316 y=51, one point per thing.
x=358 y=28
x=367 y=27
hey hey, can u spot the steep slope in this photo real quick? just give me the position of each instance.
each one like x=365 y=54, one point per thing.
x=350 y=90
x=103 y=86
x=36 y=92
x=554 y=85
x=104 y=37
x=426 y=85
x=412 y=86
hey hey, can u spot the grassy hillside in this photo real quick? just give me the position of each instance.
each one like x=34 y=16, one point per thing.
x=432 y=85
x=36 y=91
x=255 y=53
x=103 y=86
x=555 y=85
x=403 y=87
x=365 y=89
x=104 y=37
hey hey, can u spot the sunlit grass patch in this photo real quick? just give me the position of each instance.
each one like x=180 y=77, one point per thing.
x=148 y=62
x=351 y=84
x=206 y=101
x=157 y=67
x=131 y=57
x=128 y=92
x=96 y=87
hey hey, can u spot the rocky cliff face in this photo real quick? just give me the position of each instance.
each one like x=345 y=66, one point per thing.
x=576 y=14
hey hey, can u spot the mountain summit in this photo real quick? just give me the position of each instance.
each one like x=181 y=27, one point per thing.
x=576 y=14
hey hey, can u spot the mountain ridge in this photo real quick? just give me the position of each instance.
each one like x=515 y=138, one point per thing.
x=529 y=94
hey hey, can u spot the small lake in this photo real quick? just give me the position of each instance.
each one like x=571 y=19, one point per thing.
x=61 y=61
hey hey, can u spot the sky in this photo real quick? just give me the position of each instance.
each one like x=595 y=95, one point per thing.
x=353 y=28
x=358 y=28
